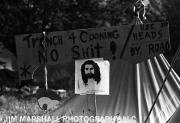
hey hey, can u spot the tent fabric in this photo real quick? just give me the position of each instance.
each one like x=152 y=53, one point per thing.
x=176 y=117
x=133 y=88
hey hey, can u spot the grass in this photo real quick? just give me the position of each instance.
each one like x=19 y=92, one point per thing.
x=15 y=105
x=18 y=107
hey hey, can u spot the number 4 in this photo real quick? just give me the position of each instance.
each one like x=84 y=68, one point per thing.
x=72 y=37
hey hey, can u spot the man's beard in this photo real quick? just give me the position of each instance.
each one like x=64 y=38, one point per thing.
x=90 y=76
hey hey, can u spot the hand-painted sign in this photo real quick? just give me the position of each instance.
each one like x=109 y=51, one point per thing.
x=129 y=42
x=147 y=40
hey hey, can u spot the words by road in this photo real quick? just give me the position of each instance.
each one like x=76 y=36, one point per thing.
x=145 y=41
x=148 y=40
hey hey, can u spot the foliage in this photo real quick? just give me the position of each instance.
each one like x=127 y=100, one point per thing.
x=33 y=16
x=16 y=107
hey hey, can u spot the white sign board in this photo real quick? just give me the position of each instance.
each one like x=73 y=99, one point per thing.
x=133 y=43
x=92 y=77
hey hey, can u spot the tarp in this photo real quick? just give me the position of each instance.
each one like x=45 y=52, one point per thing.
x=133 y=88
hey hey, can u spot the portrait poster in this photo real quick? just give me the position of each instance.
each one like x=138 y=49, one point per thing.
x=92 y=76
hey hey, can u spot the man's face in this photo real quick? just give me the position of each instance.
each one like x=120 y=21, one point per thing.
x=89 y=70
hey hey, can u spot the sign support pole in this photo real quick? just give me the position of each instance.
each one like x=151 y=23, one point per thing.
x=45 y=62
x=95 y=104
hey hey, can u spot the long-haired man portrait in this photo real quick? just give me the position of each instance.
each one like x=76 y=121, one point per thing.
x=90 y=71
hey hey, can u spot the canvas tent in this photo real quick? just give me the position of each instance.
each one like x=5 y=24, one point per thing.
x=133 y=88
x=175 y=118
